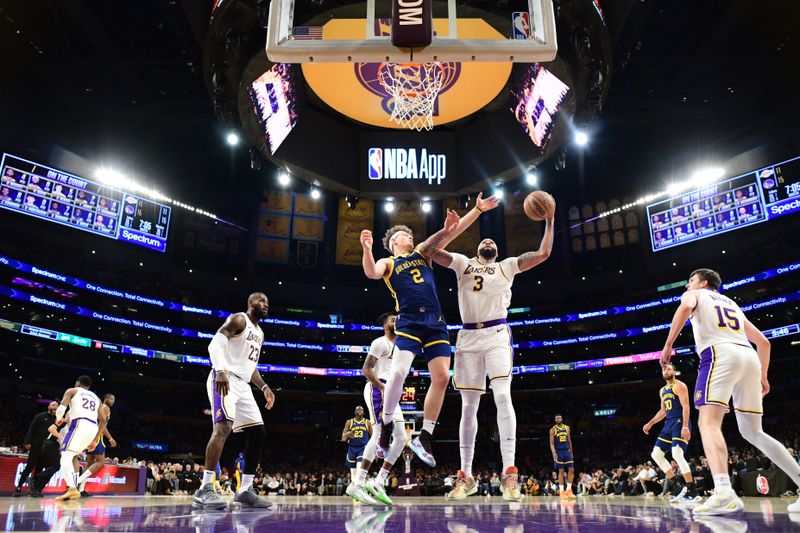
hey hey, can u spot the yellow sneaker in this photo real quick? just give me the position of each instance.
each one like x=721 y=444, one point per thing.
x=71 y=494
x=509 y=486
x=464 y=486
x=568 y=494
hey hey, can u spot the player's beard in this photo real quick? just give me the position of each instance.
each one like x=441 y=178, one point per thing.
x=488 y=253
x=260 y=314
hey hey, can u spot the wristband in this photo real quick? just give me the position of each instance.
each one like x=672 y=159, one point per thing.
x=264 y=387
x=479 y=209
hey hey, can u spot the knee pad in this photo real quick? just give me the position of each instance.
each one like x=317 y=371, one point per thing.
x=750 y=427
x=501 y=388
x=470 y=401
x=661 y=459
x=677 y=454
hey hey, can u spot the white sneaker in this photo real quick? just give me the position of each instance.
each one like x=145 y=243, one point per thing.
x=680 y=495
x=719 y=503
x=359 y=494
x=724 y=525
x=794 y=507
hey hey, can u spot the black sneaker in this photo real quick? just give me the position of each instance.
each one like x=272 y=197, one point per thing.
x=249 y=498
x=384 y=440
x=33 y=492
x=206 y=498
x=85 y=495
x=17 y=492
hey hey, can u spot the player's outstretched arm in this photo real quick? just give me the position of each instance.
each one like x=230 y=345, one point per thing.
x=764 y=350
x=62 y=408
x=259 y=382
x=442 y=258
x=528 y=260
x=658 y=417
x=682 y=314
x=372 y=269
x=455 y=225
x=683 y=395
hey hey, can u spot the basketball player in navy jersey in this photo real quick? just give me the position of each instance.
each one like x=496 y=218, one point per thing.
x=234 y=352
x=675 y=434
x=356 y=434
x=420 y=328
x=561 y=446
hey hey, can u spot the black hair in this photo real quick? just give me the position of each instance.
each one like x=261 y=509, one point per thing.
x=86 y=381
x=384 y=318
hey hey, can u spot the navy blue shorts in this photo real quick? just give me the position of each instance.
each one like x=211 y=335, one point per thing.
x=354 y=456
x=671 y=434
x=423 y=334
x=100 y=450
x=563 y=460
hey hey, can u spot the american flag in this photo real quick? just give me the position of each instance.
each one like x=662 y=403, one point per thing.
x=307 y=33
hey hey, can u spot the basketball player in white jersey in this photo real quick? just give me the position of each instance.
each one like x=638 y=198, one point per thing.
x=729 y=366
x=84 y=431
x=377 y=368
x=234 y=353
x=484 y=346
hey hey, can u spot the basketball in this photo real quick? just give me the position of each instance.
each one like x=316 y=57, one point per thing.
x=539 y=205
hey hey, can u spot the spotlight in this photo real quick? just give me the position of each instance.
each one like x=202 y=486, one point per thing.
x=706 y=176
x=232 y=139
x=284 y=179
x=581 y=139
x=389 y=206
x=498 y=193
x=531 y=178
x=426 y=207
x=315 y=194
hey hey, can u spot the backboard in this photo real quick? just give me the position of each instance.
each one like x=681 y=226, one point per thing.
x=522 y=31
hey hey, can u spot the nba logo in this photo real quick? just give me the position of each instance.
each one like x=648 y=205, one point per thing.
x=375 y=163
x=762 y=484
x=522 y=24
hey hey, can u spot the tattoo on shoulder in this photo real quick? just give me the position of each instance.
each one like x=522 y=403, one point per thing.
x=527 y=256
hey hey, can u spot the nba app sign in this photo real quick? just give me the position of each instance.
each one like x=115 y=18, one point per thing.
x=406 y=164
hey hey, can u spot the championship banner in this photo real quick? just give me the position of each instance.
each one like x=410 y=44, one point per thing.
x=277 y=202
x=271 y=225
x=409 y=214
x=272 y=250
x=308 y=229
x=467 y=242
x=348 y=230
x=306 y=206
x=522 y=233
x=111 y=479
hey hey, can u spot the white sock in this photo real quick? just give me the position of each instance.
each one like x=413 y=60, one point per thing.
x=247 y=482
x=398 y=443
x=401 y=363
x=561 y=488
x=428 y=425
x=354 y=475
x=67 y=470
x=506 y=421
x=382 y=476
x=361 y=476
x=468 y=428
x=722 y=482
x=750 y=428
x=83 y=477
x=208 y=478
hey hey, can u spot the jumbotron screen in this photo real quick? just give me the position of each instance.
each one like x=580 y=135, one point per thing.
x=751 y=198
x=36 y=190
x=536 y=101
x=274 y=98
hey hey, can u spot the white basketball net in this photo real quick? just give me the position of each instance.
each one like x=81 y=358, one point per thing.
x=414 y=88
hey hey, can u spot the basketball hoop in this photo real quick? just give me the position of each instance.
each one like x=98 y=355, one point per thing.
x=414 y=88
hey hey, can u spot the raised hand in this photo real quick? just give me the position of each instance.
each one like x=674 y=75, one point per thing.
x=451 y=221
x=486 y=204
x=366 y=239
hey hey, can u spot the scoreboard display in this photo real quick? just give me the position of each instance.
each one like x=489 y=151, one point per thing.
x=408 y=401
x=752 y=198
x=50 y=194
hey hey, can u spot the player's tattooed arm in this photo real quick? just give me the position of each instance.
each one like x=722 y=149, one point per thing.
x=346 y=433
x=659 y=416
x=369 y=371
x=442 y=258
x=528 y=260
x=455 y=225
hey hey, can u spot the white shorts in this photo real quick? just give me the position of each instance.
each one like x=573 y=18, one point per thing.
x=482 y=352
x=374 y=399
x=239 y=406
x=727 y=370
x=80 y=435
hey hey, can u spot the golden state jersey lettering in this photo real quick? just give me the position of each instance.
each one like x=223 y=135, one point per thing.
x=360 y=433
x=672 y=404
x=561 y=437
x=412 y=284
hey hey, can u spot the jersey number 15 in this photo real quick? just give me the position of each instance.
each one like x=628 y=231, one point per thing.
x=727 y=318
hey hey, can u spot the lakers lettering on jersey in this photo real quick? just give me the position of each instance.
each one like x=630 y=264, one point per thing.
x=561 y=437
x=412 y=285
x=484 y=289
x=244 y=349
x=672 y=404
x=360 y=433
x=717 y=319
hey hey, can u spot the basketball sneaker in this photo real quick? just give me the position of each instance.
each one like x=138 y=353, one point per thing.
x=359 y=494
x=71 y=494
x=721 y=502
x=384 y=441
x=678 y=497
x=421 y=445
x=206 y=498
x=509 y=486
x=249 y=498
x=462 y=487
x=568 y=494
x=377 y=491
